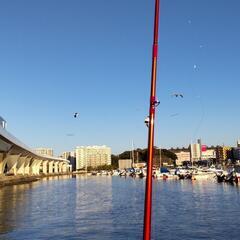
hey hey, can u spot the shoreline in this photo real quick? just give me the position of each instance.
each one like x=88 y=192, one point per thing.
x=22 y=179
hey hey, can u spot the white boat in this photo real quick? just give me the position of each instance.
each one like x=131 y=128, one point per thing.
x=164 y=174
x=201 y=175
x=137 y=172
x=142 y=173
x=115 y=173
x=104 y=173
x=184 y=173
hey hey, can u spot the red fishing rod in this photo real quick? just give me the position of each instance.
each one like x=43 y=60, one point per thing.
x=153 y=104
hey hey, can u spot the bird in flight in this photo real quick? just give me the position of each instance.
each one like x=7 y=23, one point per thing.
x=177 y=95
x=76 y=115
x=70 y=135
x=174 y=115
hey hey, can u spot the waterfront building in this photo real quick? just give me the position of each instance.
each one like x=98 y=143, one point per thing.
x=92 y=156
x=223 y=153
x=67 y=155
x=71 y=156
x=236 y=153
x=199 y=142
x=195 y=152
x=124 y=163
x=238 y=143
x=44 y=151
x=208 y=154
x=182 y=156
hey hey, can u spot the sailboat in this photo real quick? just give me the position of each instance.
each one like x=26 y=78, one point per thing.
x=136 y=171
x=131 y=172
x=163 y=173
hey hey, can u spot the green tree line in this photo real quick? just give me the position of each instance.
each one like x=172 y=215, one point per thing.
x=141 y=155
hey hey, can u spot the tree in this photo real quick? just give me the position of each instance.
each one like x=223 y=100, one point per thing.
x=125 y=155
x=89 y=169
x=114 y=161
x=104 y=167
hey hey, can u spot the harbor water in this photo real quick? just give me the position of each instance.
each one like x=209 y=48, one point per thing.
x=105 y=207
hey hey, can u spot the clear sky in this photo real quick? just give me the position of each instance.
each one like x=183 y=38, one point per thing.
x=58 y=57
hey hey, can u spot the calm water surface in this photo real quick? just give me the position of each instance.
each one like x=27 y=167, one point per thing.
x=112 y=208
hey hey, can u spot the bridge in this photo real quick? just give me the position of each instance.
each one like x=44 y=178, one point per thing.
x=18 y=159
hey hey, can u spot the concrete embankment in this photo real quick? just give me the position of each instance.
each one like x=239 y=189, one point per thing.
x=12 y=180
x=21 y=179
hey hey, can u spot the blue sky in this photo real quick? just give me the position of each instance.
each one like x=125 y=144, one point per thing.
x=94 y=57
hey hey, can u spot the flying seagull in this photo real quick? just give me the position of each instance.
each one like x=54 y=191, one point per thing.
x=76 y=115
x=177 y=95
x=174 y=115
x=70 y=134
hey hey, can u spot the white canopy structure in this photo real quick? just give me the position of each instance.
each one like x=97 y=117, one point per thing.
x=17 y=158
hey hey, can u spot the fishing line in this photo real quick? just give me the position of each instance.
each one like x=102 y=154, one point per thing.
x=196 y=70
x=202 y=116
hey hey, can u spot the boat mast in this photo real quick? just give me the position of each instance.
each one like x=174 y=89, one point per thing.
x=133 y=154
x=160 y=154
x=153 y=104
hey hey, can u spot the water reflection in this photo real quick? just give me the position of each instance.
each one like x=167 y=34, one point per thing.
x=14 y=202
x=63 y=177
x=93 y=206
x=195 y=210
x=104 y=207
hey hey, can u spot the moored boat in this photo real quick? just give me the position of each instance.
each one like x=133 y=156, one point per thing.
x=201 y=175
x=164 y=173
